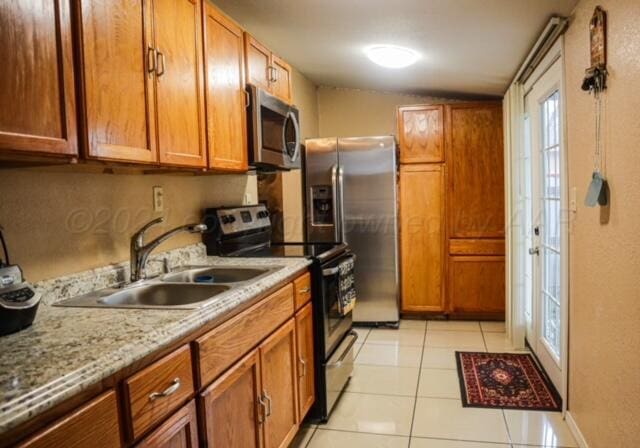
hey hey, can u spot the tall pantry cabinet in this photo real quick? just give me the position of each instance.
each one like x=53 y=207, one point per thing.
x=452 y=209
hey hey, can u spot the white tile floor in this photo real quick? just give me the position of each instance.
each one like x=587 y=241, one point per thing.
x=404 y=393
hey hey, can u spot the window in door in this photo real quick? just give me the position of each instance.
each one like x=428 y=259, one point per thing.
x=551 y=221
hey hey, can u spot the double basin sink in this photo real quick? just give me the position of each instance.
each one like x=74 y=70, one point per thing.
x=189 y=288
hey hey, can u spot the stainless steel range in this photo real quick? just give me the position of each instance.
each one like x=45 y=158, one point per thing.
x=245 y=232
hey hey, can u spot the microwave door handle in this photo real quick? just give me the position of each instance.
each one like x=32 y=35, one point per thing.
x=335 y=198
x=296 y=129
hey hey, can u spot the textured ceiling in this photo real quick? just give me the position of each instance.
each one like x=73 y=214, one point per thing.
x=469 y=47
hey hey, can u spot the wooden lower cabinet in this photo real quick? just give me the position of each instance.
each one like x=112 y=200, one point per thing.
x=477 y=285
x=306 y=364
x=279 y=386
x=94 y=424
x=422 y=237
x=179 y=431
x=254 y=404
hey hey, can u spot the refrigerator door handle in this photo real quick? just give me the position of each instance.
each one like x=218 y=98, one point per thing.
x=343 y=238
x=337 y=224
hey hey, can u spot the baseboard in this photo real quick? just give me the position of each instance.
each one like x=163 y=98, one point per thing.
x=577 y=434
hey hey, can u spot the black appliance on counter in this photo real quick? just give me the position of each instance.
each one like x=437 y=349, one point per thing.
x=245 y=232
x=18 y=299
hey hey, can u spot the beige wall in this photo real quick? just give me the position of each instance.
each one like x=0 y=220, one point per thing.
x=358 y=113
x=604 y=355
x=59 y=220
x=305 y=97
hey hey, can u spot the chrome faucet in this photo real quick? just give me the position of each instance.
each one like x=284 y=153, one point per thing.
x=140 y=252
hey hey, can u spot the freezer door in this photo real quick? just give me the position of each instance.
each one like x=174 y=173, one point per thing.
x=367 y=174
x=321 y=180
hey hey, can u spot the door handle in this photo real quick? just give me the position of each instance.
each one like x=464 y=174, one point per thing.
x=534 y=251
x=343 y=238
x=262 y=411
x=304 y=367
x=269 y=403
x=160 y=62
x=151 y=60
x=335 y=198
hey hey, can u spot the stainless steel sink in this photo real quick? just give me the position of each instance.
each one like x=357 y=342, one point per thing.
x=149 y=295
x=208 y=274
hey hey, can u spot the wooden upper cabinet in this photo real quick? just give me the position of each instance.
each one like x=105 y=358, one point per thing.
x=266 y=70
x=225 y=92
x=180 y=83
x=231 y=410
x=475 y=161
x=281 y=86
x=258 y=63
x=37 y=100
x=94 y=424
x=421 y=134
x=279 y=386
x=422 y=237
x=306 y=364
x=179 y=431
x=118 y=90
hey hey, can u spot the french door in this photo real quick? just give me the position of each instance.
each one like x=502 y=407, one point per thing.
x=544 y=171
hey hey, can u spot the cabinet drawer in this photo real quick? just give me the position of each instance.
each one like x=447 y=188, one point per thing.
x=217 y=350
x=476 y=247
x=302 y=286
x=94 y=424
x=158 y=390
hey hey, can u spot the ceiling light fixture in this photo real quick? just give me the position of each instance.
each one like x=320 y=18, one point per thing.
x=392 y=56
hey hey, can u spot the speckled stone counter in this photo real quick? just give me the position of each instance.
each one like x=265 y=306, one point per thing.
x=68 y=350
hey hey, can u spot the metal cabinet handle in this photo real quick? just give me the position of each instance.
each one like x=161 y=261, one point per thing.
x=534 y=251
x=262 y=412
x=160 y=62
x=305 y=290
x=304 y=366
x=268 y=398
x=247 y=99
x=175 y=385
x=151 y=60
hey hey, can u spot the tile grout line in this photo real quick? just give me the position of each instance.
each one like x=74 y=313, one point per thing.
x=313 y=433
x=415 y=400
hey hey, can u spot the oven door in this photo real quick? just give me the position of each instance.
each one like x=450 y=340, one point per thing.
x=275 y=131
x=336 y=324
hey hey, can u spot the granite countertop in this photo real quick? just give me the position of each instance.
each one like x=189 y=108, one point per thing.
x=67 y=350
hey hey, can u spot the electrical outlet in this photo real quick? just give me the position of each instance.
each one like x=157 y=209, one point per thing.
x=248 y=199
x=158 y=199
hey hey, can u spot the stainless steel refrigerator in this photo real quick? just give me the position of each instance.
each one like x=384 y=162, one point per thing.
x=351 y=197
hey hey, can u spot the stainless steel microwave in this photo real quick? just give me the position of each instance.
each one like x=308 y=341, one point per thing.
x=274 y=131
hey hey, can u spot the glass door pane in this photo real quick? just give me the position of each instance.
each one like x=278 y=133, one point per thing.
x=550 y=198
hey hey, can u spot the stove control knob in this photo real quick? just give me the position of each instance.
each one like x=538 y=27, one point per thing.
x=231 y=218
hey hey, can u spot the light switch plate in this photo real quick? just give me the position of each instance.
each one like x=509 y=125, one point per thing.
x=158 y=199
x=573 y=200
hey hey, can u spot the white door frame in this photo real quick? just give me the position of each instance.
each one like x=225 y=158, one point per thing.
x=516 y=319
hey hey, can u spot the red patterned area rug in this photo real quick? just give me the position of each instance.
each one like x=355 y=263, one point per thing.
x=505 y=380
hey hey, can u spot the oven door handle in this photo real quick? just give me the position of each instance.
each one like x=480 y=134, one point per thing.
x=330 y=271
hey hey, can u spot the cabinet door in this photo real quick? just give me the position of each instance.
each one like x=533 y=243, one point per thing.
x=421 y=134
x=475 y=160
x=422 y=237
x=37 y=101
x=226 y=103
x=179 y=431
x=117 y=80
x=281 y=86
x=306 y=366
x=232 y=415
x=95 y=425
x=180 y=83
x=258 y=63
x=477 y=285
x=279 y=386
